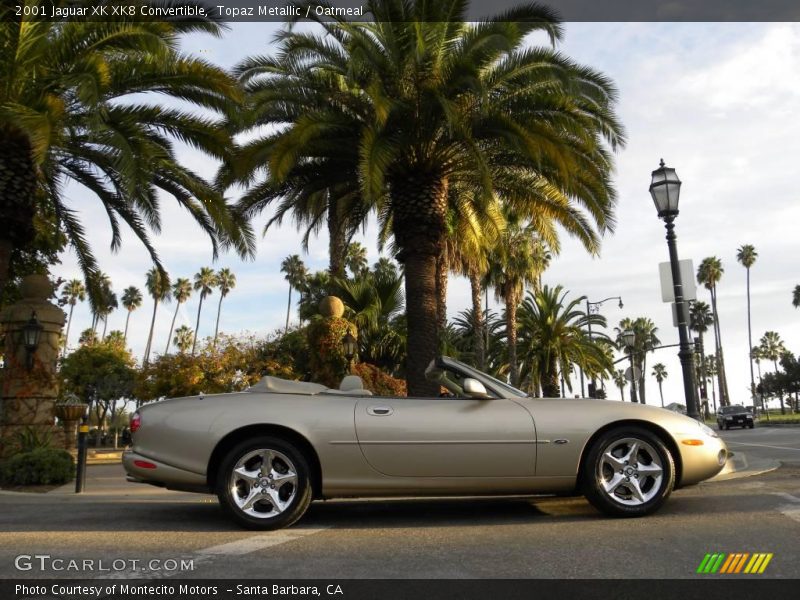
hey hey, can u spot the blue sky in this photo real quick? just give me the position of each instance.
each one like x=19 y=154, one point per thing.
x=716 y=100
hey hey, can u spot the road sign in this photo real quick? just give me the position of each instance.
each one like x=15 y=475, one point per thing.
x=636 y=370
x=687 y=280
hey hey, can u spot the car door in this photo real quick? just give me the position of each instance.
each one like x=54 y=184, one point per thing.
x=446 y=437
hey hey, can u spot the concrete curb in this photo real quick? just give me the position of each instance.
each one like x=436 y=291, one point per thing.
x=738 y=466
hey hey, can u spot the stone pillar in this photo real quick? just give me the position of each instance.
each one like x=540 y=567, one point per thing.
x=27 y=397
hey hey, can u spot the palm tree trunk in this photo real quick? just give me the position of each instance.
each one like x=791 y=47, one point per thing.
x=441 y=291
x=780 y=391
x=422 y=312
x=171 y=327
x=18 y=181
x=6 y=248
x=723 y=384
x=621 y=393
x=150 y=337
x=477 y=315
x=219 y=310
x=288 y=310
x=69 y=323
x=511 y=333
x=661 y=393
x=549 y=379
x=125 y=335
x=337 y=241
x=750 y=344
x=197 y=325
x=640 y=383
x=105 y=325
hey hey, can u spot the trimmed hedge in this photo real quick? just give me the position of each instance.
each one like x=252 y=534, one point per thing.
x=42 y=466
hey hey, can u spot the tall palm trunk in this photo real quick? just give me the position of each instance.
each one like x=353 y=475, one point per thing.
x=105 y=325
x=419 y=205
x=150 y=337
x=288 y=310
x=511 y=332
x=750 y=343
x=219 y=310
x=171 y=327
x=549 y=379
x=197 y=325
x=477 y=319
x=441 y=290
x=66 y=335
x=621 y=393
x=125 y=335
x=723 y=384
x=17 y=197
x=780 y=391
x=337 y=241
x=661 y=393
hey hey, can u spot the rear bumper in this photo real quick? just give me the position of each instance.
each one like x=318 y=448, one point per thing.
x=142 y=469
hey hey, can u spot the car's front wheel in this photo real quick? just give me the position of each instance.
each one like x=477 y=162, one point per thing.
x=629 y=472
x=264 y=483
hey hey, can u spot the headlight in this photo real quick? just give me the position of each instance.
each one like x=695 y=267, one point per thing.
x=707 y=430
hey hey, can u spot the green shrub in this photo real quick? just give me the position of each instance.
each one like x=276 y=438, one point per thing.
x=42 y=466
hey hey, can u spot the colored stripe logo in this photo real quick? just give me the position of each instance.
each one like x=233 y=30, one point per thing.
x=736 y=563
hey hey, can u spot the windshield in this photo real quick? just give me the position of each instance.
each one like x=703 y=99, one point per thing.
x=502 y=387
x=731 y=409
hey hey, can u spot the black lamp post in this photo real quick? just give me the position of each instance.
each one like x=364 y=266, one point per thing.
x=629 y=339
x=350 y=347
x=31 y=334
x=665 y=188
x=592 y=308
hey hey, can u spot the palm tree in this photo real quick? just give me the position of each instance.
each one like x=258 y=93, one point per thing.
x=101 y=283
x=184 y=338
x=420 y=101
x=295 y=272
x=660 y=373
x=708 y=274
x=131 y=300
x=700 y=318
x=513 y=265
x=385 y=267
x=746 y=255
x=226 y=281
x=181 y=291
x=204 y=282
x=110 y=305
x=71 y=112
x=554 y=337
x=72 y=293
x=620 y=381
x=157 y=284
x=645 y=340
x=356 y=259
x=771 y=347
x=796 y=296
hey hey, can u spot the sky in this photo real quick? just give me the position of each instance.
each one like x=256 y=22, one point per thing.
x=716 y=101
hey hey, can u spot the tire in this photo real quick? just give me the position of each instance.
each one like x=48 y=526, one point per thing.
x=616 y=485
x=258 y=498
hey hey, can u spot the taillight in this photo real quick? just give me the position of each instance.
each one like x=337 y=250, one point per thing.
x=136 y=422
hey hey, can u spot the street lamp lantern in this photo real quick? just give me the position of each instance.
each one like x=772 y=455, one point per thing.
x=665 y=188
x=620 y=304
x=349 y=346
x=31 y=335
x=629 y=338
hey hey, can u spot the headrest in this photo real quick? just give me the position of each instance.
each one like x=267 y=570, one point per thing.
x=350 y=383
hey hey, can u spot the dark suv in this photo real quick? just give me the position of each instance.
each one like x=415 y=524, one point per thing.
x=735 y=416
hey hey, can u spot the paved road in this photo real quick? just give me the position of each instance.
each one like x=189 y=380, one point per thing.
x=471 y=538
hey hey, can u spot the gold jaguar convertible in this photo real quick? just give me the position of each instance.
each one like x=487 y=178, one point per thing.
x=269 y=451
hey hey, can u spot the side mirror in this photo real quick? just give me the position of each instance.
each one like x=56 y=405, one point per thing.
x=474 y=388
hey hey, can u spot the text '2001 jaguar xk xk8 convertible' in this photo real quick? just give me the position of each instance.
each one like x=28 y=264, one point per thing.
x=269 y=451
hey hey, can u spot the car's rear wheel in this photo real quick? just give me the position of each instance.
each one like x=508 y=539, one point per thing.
x=264 y=483
x=629 y=472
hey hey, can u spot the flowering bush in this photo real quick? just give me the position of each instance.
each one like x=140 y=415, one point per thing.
x=378 y=382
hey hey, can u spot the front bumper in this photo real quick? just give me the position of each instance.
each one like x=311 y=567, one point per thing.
x=142 y=469
x=701 y=462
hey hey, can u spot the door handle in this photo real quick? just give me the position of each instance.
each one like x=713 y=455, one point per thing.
x=380 y=411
